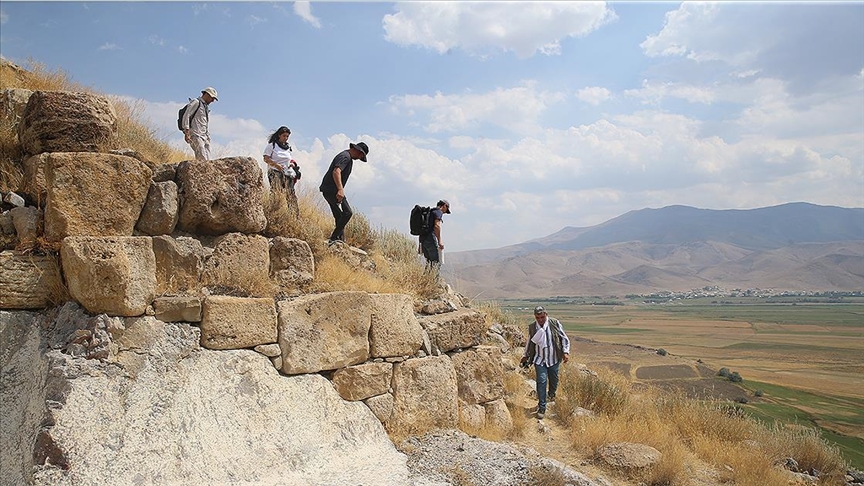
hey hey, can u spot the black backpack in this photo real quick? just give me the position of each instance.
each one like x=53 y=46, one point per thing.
x=182 y=111
x=420 y=224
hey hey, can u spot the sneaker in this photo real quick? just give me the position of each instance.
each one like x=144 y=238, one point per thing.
x=551 y=399
x=541 y=413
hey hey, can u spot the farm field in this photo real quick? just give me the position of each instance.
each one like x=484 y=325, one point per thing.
x=806 y=359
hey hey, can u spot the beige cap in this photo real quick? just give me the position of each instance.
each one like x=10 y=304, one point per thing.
x=211 y=91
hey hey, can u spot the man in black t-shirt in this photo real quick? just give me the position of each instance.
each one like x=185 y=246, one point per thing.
x=333 y=187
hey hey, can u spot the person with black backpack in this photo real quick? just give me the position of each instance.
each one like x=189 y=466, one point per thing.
x=194 y=122
x=431 y=245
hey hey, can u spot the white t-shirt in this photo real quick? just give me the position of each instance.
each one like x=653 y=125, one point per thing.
x=281 y=156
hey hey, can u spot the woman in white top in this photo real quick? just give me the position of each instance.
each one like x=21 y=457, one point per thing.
x=283 y=170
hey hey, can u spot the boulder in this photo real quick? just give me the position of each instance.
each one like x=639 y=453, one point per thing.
x=164 y=172
x=362 y=381
x=291 y=261
x=93 y=194
x=394 y=331
x=28 y=281
x=177 y=309
x=179 y=264
x=28 y=224
x=271 y=350
x=7 y=227
x=381 y=406
x=472 y=417
x=629 y=456
x=437 y=306
x=461 y=329
x=424 y=395
x=13 y=102
x=221 y=196
x=114 y=275
x=237 y=322
x=479 y=374
x=33 y=185
x=324 y=331
x=13 y=200
x=239 y=264
x=62 y=121
x=498 y=418
x=159 y=216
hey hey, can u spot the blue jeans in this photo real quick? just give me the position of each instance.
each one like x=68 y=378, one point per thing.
x=546 y=375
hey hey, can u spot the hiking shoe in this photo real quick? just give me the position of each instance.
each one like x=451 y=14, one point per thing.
x=541 y=413
x=551 y=399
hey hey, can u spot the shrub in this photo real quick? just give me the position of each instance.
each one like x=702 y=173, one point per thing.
x=662 y=352
x=735 y=377
x=758 y=393
x=608 y=395
x=724 y=372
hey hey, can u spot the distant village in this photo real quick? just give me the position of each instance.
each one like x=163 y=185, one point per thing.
x=775 y=295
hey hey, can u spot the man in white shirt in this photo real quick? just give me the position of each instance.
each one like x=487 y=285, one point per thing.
x=548 y=345
x=196 y=123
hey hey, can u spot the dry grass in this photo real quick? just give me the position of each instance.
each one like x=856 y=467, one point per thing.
x=743 y=451
x=494 y=313
x=223 y=280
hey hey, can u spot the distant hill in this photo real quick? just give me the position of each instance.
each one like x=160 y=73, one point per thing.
x=796 y=246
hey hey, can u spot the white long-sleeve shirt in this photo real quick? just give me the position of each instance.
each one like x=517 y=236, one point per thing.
x=198 y=125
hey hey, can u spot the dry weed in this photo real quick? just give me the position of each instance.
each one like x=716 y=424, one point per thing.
x=547 y=475
x=222 y=281
x=806 y=446
x=521 y=421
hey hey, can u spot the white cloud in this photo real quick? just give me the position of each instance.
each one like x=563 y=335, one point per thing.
x=182 y=50
x=480 y=28
x=109 y=46
x=593 y=95
x=656 y=92
x=156 y=40
x=4 y=17
x=303 y=10
x=516 y=109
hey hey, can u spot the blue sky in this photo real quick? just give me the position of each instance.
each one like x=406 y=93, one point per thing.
x=527 y=116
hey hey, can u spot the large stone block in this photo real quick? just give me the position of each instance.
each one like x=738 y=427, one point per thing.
x=237 y=322
x=461 y=329
x=159 y=216
x=362 y=381
x=221 y=196
x=424 y=395
x=62 y=121
x=114 y=275
x=472 y=417
x=177 y=309
x=381 y=406
x=28 y=224
x=479 y=374
x=13 y=102
x=179 y=264
x=291 y=261
x=239 y=263
x=33 y=185
x=395 y=331
x=324 y=331
x=28 y=281
x=498 y=418
x=93 y=194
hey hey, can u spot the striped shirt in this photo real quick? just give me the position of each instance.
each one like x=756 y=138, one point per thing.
x=546 y=354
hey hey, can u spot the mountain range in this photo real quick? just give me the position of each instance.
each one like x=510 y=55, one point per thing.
x=795 y=247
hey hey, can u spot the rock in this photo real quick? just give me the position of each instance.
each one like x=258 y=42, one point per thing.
x=324 y=331
x=460 y=329
x=159 y=216
x=7 y=227
x=221 y=196
x=356 y=258
x=93 y=194
x=13 y=199
x=513 y=335
x=629 y=456
x=479 y=374
x=28 y=224
x=177 y=309
x=29 y=281
x=33 y=185
x=424 y=395
x=394 y=330
x=277 y=362
x=114 y=275
x=362 y=381
x=239 y=264
x=437 y=306
x=381 y=406
x=189 y=416
x=270 y=350
x=22 y=393
x=179 y=263
x=291 y=261
x=164 y=172
x=498 y=341
x=498 y=419
x=13 y=102
x=237 y=322
x=472 y=417
x=61 y=121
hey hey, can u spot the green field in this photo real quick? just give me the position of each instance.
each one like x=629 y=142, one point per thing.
x=807 y=358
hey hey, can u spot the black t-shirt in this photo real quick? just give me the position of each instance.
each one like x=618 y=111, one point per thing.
x=345 y=163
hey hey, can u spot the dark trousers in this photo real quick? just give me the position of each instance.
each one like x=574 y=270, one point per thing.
x=285 y=184
x=430 y=249
x=341 y=214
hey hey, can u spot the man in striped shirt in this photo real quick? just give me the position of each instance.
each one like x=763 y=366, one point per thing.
x=548 y=345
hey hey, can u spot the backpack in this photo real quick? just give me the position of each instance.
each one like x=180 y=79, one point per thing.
x=183 y=111
x=420 y=224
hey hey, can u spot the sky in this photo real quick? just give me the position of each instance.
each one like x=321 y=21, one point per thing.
x=527 y=116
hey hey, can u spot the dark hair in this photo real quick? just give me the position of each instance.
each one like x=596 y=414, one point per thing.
x=275 y=137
